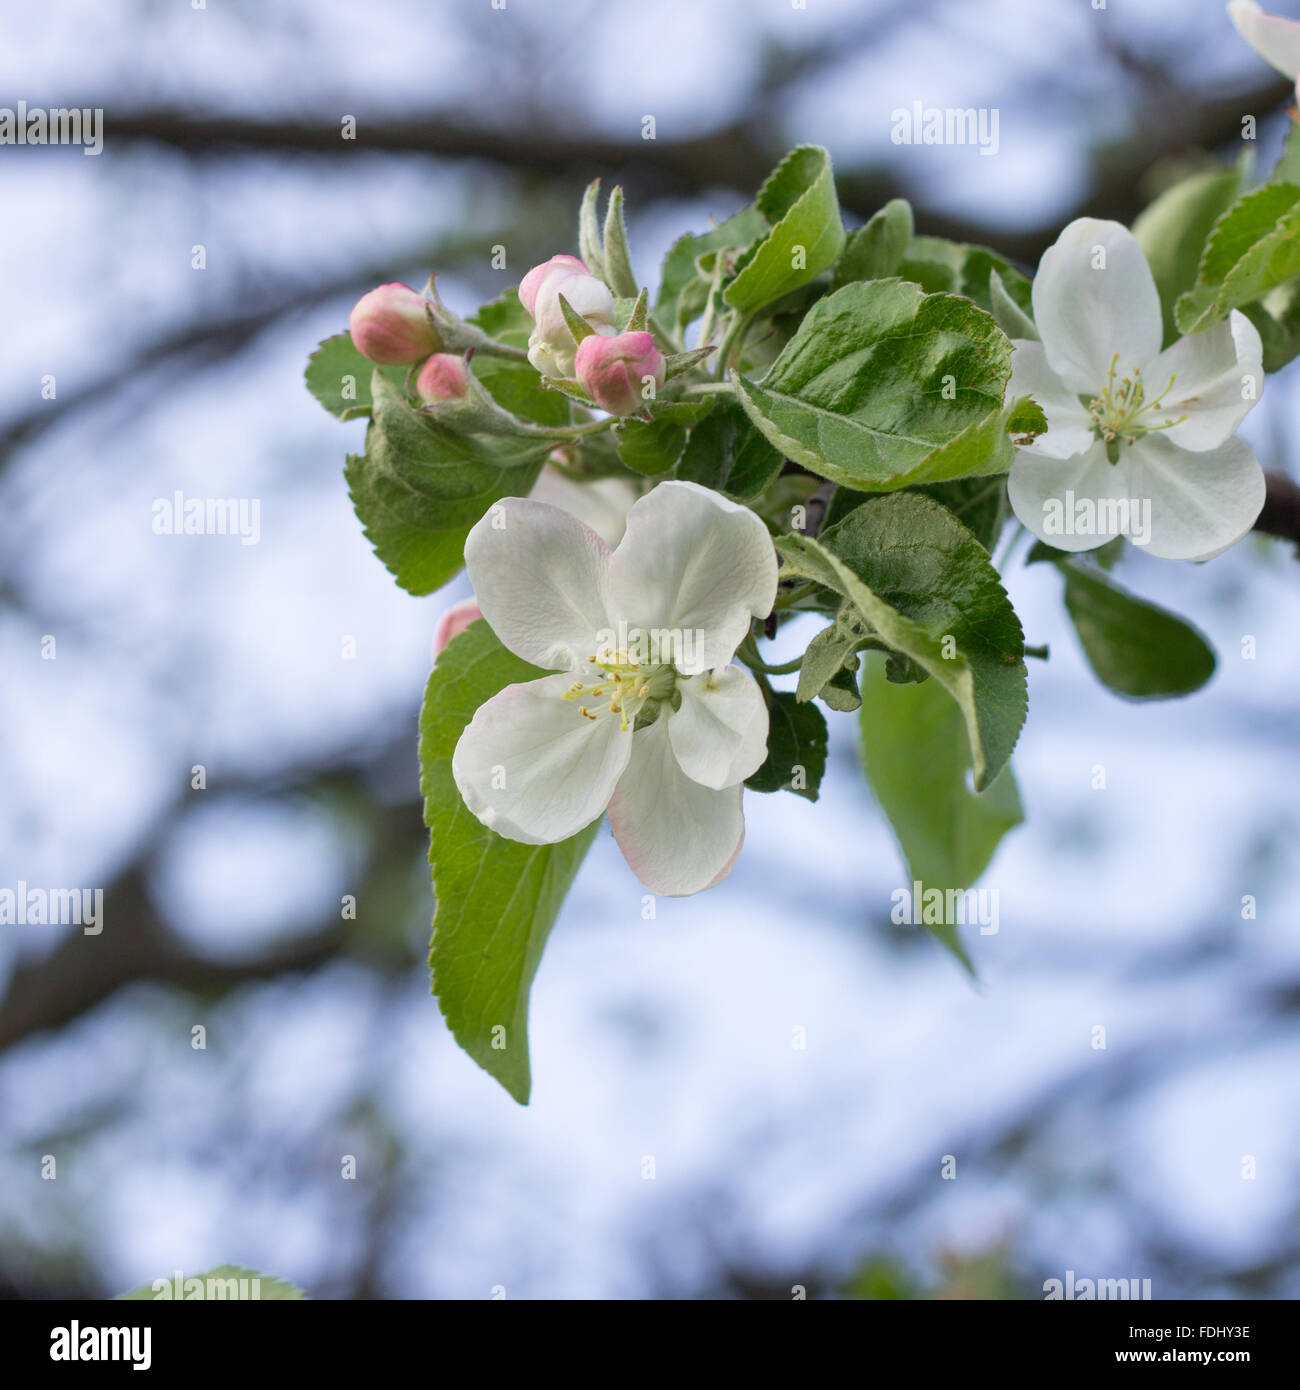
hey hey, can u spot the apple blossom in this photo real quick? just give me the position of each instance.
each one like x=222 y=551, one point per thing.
x=551 y=347
x=390 y=325
x=646 y=717
x=1140 y=442
x=613 y=371
x=1275 y=39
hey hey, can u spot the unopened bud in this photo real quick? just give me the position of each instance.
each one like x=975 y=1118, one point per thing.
x=390 y=326
x=613 y=371
x=442 y=378
x=454 y=621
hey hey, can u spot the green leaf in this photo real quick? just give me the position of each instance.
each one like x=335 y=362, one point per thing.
x=420 y=487
x=830 y=657
x=1173 y=231
x=1138 y=650
x=925 y=587
x=978 y=503
x=684 y=286
x=1254 y=247
x=496 y=899
x=339 y=377
x=1014 y=321
x=799 y=204
x=654 y=446
x=1287 y=168
x=796 y=748
x=589 y=238
x=505 y=319
x=221 y=1283
x=617 y=259
x=917 y=761
x=940 y=266
x=728 y=454
x=884 y=385
x=873 y=252
x=1277 y=317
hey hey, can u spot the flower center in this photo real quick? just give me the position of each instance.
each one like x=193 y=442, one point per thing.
x=1123 y=412
x=635 y=689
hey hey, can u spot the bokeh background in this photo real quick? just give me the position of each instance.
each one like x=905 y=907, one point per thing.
x=775 y=1165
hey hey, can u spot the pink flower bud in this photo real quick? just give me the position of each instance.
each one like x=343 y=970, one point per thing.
x=389 y=326
x=442 y=378
x=532 y=282
x=454 y=621
x=612 y=370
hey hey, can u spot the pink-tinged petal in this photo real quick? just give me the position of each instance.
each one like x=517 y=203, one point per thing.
x=542 y=581
x=696 y=565
x=532 y=282
x=1217 y=377
x=1202 y=502
x=1275 y=39
x=588 y=297
x=454 y=621
x=719 y=733
x=1069 y=430
x=533 y=768
x=1094 y=296
x=676 y=835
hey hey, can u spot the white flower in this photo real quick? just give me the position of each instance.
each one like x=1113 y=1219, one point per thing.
x=1140 y=442
x=648 y=718
x=601 y=503
x=1276 y=40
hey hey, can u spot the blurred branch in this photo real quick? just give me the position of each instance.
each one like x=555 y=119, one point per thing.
x=739 y=155
x=137 y=944
x=206 y=343
x=1281 y=514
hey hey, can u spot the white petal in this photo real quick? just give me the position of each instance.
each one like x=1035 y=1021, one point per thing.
x=542 y=580
x=719 y=734
x=1201 y=503
x=696 y=564
x=1069 y=430
x=1275 y=39
x=1094 y=296
x=602 y=504
x=1046 y=496
x=1217 y=375
x=676 y=835
x=532 y=768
